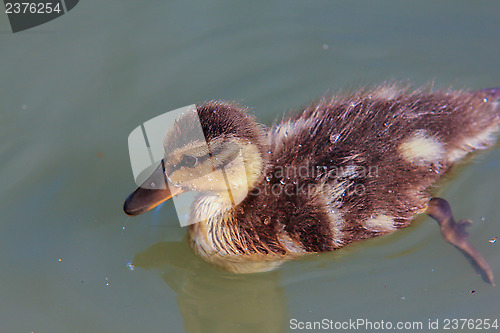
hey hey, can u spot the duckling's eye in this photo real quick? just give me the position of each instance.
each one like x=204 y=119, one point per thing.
x=188 y=161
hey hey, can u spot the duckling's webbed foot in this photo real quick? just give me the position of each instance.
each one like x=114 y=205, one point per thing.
x=455 y=233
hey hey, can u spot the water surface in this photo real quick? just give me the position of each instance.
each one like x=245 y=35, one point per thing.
x=74 y=88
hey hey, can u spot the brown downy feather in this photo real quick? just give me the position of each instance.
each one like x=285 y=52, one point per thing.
x=347 y=168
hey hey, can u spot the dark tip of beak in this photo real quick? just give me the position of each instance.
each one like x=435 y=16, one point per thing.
x=129 y=208
x=131 y=211
x=144 y=199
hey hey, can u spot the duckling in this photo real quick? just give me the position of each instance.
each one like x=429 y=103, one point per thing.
x=347 y=168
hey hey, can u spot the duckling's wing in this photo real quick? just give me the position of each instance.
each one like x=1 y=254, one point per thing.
x=382 y=151
x=377 y=155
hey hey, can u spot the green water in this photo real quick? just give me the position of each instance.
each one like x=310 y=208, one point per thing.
x=74 y=88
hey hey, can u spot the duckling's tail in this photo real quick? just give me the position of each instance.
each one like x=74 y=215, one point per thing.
x=492 y=96
x=490 y=92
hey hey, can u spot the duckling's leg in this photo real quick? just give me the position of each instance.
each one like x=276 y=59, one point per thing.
x=454 y=233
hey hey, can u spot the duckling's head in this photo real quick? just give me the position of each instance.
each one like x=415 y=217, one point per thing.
x=216 y=149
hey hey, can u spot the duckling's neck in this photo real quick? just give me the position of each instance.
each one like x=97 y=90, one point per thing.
x=211 y=228
x=254 y=166
x=240 y=176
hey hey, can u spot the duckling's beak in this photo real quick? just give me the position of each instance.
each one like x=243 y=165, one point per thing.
x=146 y=197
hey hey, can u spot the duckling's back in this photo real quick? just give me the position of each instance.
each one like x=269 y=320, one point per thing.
x=350 y=168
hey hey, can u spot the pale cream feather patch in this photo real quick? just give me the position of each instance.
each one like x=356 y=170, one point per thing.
x=422 y=148
x=331 y=195
x=380 y=223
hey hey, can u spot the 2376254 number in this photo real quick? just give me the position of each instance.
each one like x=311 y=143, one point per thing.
x=32 y=8
x=471 y=324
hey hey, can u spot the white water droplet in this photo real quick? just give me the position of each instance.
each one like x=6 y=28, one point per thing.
x=334 y=137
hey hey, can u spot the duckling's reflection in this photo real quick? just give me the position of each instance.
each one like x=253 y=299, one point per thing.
x=211 y=300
